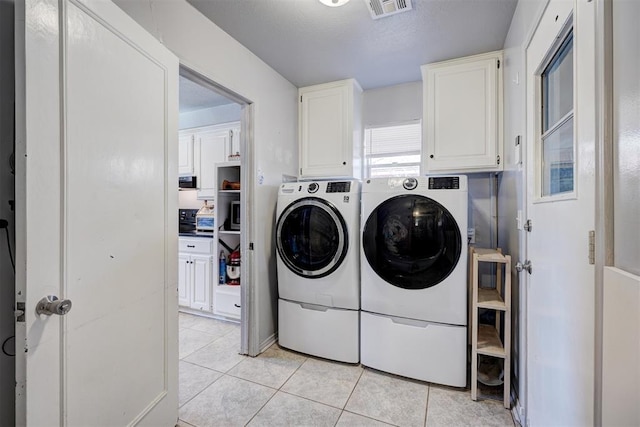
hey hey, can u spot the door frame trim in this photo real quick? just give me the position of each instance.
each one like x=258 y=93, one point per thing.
x=604 y=181
x=249 y=344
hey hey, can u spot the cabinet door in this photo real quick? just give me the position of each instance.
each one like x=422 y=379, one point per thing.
x=185 y=153
x=234 y=141
x=326 y=136
x=462 y=115
x=201 y=292
x=228 y=301
x=184 y=280
x=211 y=150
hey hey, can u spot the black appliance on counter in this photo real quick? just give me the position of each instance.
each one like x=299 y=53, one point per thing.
x=187 y=220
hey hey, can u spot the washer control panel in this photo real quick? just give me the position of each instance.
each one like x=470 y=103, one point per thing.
x=338 y=187
x=444 y=183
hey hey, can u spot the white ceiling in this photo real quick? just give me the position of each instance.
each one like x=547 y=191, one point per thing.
x=309 y=43
x=194 y=97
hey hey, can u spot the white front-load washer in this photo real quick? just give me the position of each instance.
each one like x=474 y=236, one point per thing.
x=414 y=277
x=318 y=264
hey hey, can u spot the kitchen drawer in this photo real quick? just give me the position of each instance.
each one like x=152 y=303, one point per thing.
x=195 y=245
x=227 y=303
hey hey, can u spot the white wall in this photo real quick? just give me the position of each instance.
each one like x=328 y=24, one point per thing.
x=205 y=48
x=7 y=366
x=188 y=199
x=392 y=104
x=210 y=116
x=511 y=191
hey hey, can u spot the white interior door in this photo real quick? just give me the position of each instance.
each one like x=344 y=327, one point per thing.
x=96 y=110
x=560 y=203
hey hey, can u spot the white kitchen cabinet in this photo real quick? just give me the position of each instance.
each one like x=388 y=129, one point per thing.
x=184 y=280
x=201 y=148
x=462 y=108
x=330 y=130
x=213 y=145
x=185 y=153
x=195 y=273
x=234 y=140
x=201 y=270
x=228 y=301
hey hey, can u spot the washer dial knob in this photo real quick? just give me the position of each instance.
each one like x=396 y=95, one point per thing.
x=410 y=183
x=313 y=187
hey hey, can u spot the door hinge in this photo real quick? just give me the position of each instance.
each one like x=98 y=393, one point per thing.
x=19 y=313
x=526 y=266
x=528 y=226
x=592 y=247
x=300 y=171
x=498 y=63
x=250 y=246
x=498 y=158
x=300 y=98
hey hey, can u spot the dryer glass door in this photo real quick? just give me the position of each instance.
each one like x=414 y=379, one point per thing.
x=412 y=241
x=311 y=237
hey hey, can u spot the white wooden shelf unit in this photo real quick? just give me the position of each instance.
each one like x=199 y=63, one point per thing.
x=486 y=339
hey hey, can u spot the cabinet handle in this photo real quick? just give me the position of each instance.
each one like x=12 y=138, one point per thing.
x=231 y=142
x=344 y=163
x=237 y=305
x=191 y=246
x=431 y=156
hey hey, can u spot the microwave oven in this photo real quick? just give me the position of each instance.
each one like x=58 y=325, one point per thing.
x=187 y=182
x=234 y=215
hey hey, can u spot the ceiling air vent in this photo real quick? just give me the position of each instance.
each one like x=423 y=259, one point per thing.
x=381 y=8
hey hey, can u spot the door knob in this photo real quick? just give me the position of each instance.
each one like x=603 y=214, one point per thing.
x=526 y=266
x=52 y=305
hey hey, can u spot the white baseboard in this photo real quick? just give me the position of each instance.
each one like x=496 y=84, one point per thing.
x=268 y=342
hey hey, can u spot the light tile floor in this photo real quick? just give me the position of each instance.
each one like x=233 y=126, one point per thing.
x=218 y=387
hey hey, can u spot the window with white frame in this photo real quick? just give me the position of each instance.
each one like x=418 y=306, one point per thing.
x=556 y=143
x=393 y=150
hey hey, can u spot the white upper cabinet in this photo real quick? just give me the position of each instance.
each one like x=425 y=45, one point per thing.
x=330 y=129
x=213 y=145
x=201 y=148
x=462 y=107
x=185 y=154
x=234 y=140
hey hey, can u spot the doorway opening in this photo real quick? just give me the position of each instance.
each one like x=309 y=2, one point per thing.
x=215 y=136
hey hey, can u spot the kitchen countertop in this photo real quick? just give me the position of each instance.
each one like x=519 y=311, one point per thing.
x=205 y=234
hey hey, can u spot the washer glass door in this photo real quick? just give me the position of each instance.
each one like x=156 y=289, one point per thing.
x=311 y=237
x=412 y=241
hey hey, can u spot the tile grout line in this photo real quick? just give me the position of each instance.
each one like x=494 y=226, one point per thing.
x=276 y=389
x=200 y=392
x=262 y=407
x=354 y=387
x=426 y=409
